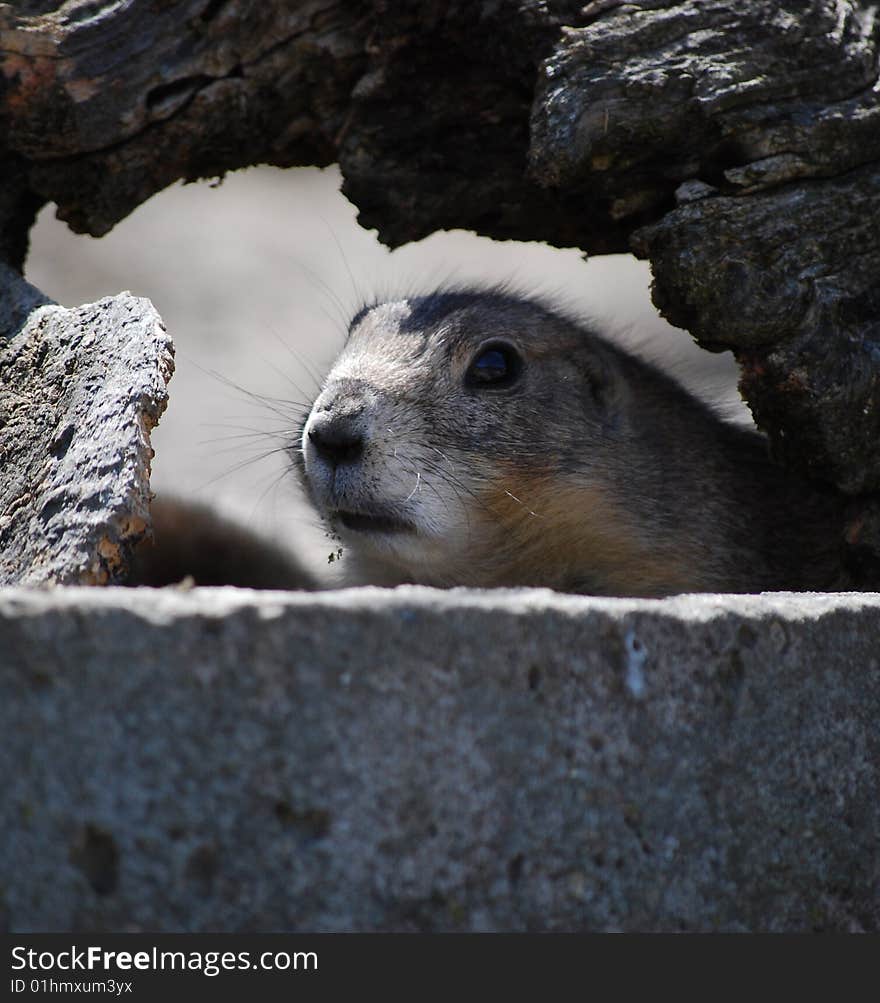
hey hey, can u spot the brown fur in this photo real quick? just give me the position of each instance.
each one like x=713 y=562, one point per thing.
x=189 y=541
x=554 y=542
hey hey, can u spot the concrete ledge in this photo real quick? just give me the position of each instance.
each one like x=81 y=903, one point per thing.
x=423 y=760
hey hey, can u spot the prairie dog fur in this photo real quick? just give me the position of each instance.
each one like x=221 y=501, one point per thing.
x=476 y=437
x=189 y=540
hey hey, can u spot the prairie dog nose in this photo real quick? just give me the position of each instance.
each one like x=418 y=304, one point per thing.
x=337 y=438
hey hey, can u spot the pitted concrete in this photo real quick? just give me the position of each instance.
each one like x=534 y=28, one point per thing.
x=423 y=760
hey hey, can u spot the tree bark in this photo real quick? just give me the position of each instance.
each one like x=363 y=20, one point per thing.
x=80 y=391
x=734 y=143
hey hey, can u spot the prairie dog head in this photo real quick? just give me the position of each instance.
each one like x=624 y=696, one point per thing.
x=468 y=437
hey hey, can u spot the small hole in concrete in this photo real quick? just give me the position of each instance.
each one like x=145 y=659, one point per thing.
x=515 y=868
x=312 y=822
x=534 y=677
x=283 y=812
x=202 y=867
x=95 y=854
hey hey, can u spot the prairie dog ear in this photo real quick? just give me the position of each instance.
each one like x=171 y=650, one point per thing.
x=605 y=383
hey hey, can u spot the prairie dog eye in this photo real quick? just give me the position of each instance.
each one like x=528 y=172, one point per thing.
x=495 y=365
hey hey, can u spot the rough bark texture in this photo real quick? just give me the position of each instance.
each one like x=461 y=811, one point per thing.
x=79 y=392
x=417 y=760
x=735 y=143
x=108 y=103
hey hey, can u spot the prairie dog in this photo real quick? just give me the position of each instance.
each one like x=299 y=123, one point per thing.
x=475 y=437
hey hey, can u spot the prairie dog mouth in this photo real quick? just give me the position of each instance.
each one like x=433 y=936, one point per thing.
x=363 y=522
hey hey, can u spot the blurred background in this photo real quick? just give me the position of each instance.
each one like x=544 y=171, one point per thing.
x=255 y=279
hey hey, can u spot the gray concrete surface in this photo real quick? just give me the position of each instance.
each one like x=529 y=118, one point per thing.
x=421 y=760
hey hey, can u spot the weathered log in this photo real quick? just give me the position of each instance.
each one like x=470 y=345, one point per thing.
x=763 y=125
x=733 y=142
x=108 y=104
x=79 y=392
x=802 y=316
